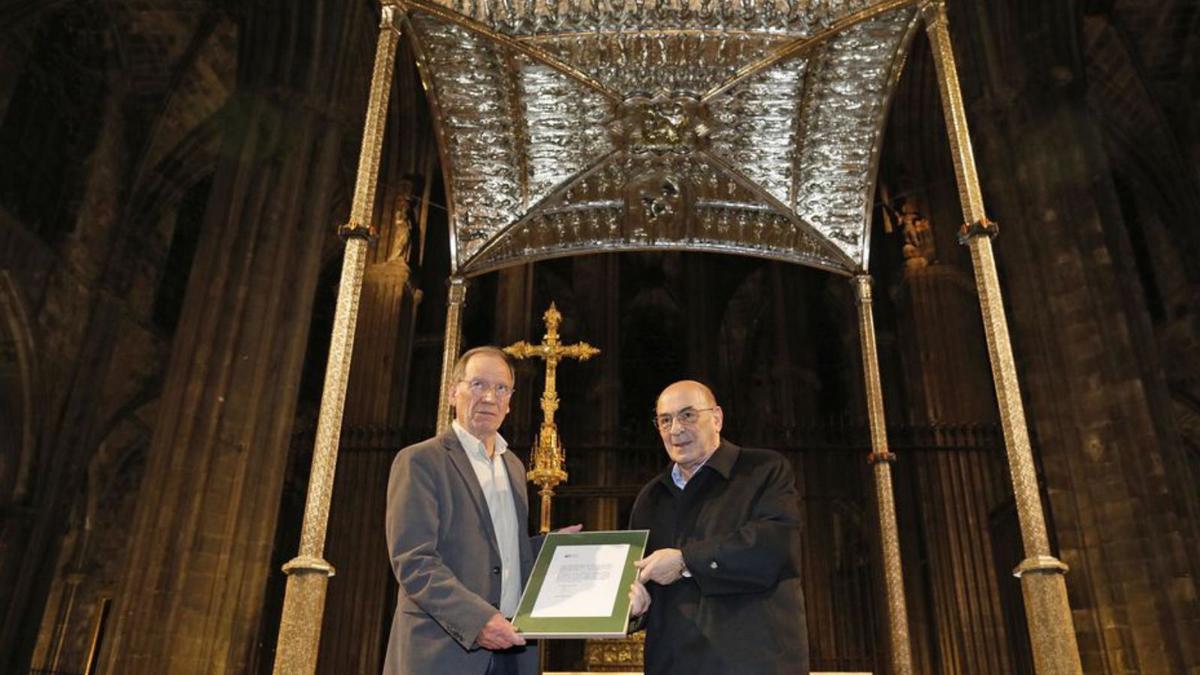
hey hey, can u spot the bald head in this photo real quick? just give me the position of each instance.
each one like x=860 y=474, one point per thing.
x=689 y=386
x=689 y=422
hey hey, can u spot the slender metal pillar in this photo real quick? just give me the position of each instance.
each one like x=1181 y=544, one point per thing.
x=308 y=573
x=881 y=459
x=451 y=347
x=1043 y=584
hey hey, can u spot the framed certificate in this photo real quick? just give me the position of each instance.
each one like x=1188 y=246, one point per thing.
x=579 y=587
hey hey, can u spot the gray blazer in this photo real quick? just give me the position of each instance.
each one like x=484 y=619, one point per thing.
x=444 y=555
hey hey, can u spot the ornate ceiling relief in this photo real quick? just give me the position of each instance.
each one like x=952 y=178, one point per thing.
x=570 y=126
x=842 y=120
x=565 y=127
x=757 y=126
x=476 y=122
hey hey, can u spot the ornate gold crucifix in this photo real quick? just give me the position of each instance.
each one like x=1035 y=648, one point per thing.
x=548 y=456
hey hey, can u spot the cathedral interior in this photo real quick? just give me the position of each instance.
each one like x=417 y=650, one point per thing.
x=173 y=175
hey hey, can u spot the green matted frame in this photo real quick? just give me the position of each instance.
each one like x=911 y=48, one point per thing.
x=614 y=625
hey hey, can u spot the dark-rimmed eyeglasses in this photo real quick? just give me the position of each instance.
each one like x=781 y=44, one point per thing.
x=686 y=417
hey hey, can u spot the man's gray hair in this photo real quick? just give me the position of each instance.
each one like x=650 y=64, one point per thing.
x=460 y=366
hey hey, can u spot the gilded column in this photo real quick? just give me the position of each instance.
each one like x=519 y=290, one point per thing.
x=451 y=347
x=880 y=460
x=308 y=573
x=1043 y=585
x=357 y=604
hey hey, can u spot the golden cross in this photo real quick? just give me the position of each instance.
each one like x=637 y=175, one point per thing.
x=548 y=455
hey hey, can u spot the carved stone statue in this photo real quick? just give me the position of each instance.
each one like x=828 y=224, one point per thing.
x=401 y=234
x=918 y=248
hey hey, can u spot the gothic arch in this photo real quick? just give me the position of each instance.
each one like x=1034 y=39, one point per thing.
x=190 y=161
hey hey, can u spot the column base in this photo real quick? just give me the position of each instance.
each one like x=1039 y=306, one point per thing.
x=303 y=609
x=1044 y=587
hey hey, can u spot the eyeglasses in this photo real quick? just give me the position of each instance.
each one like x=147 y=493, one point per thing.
x=480 y=388
x=687 y=417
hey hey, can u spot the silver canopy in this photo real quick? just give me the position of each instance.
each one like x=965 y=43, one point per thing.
x=740 y=126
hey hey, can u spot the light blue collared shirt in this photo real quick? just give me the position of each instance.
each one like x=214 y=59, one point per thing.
x=677 y=474
x=497 y=492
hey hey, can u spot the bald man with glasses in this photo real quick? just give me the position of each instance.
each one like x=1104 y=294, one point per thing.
x=719 y=590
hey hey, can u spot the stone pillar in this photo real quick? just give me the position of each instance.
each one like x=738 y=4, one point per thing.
x=1116 y=483
x=597 y=284
x=947 y=381
x=787 y=322
x=374 y=396
x=192 y=596
x=697 y=277
x=514 y=303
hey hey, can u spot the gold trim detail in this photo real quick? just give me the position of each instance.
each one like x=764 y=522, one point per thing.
x=620 y=655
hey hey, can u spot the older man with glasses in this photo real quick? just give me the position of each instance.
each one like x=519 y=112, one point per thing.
x=456 y=530
x=719 y=590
